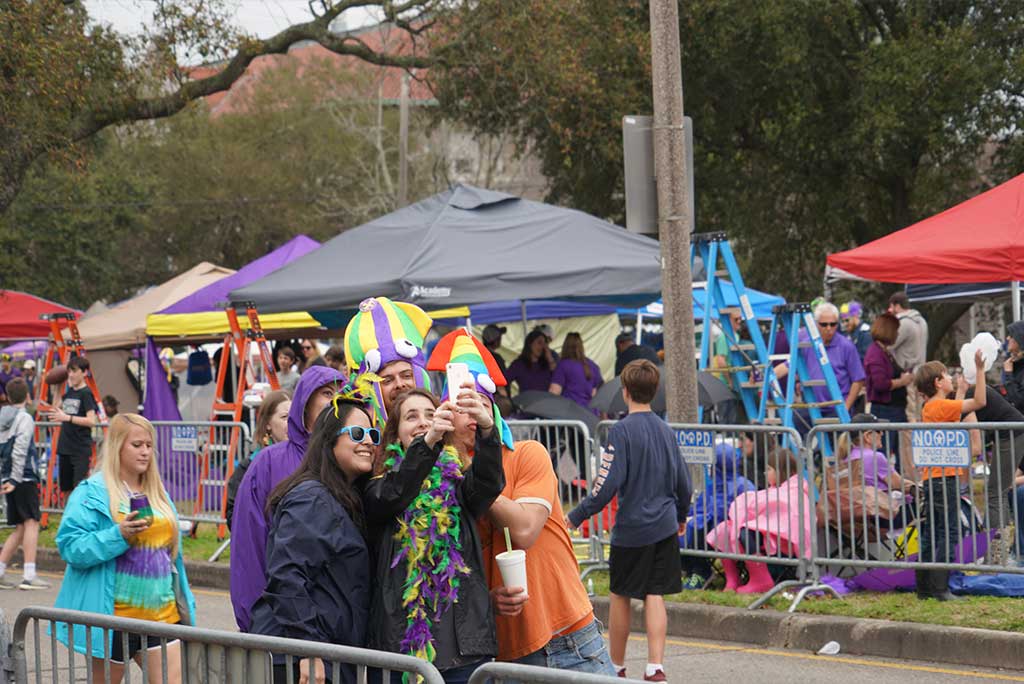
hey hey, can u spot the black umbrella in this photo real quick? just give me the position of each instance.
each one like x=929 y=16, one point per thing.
x=710 y=391
x=554 y=407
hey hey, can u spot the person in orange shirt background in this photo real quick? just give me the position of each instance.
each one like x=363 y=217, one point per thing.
x=940 y=504
x=555 y=625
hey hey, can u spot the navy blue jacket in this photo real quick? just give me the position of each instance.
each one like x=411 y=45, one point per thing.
x=641 y=463
x=318 y=573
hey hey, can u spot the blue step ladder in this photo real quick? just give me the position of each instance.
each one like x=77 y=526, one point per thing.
x=747 y=358
x=791 y=320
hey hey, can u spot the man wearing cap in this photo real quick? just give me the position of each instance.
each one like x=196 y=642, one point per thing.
x=28 y=371
x=855 y=330
x=492 y=340
x=627 y=350
x=386 y=339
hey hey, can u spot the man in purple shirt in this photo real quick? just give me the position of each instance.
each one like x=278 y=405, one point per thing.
x=842 y=355
x=7 y=373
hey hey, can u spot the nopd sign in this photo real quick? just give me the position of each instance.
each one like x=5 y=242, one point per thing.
x=942 y=448
x=696 y=446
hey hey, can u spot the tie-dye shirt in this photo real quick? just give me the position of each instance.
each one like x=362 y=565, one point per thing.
x=143 y=584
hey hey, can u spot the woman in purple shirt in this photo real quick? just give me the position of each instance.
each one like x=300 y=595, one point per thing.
x=532 y=369
x=576 y=377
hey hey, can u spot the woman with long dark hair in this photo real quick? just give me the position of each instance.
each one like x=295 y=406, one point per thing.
x=576 y=377
x=532 y=369
x=318 y=566
x=431 y=598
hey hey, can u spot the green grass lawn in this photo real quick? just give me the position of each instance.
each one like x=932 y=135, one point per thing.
x=200 y=547
x=984 y=612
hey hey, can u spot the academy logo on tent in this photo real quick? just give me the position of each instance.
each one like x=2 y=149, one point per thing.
x=422 y=292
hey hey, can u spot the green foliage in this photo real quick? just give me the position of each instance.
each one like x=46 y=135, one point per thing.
x=818 y=125
x=312 y=155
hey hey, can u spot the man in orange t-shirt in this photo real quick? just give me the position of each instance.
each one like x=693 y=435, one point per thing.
x=940 y=504
x=555 y=626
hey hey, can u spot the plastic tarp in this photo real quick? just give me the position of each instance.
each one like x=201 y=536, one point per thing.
x=978 y=241
x=124 y=325
x=598 y=333
x=760 y=302
x=202 y=312
x=465 y=246
x=19 y=315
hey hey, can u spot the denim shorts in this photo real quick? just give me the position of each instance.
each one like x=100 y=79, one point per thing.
x=582 y=651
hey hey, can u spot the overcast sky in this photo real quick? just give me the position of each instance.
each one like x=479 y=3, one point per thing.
x=260 y=17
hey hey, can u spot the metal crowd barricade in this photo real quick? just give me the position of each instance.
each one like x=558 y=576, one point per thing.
x=199 y=488
x=873 y=514
x=498 y=673
x=753 y=502
x=572 y=456
x=205 y=656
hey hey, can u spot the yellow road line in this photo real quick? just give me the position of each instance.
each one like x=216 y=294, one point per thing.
x=837 y=659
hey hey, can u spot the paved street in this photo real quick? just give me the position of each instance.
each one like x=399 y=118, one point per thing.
x=688 y=660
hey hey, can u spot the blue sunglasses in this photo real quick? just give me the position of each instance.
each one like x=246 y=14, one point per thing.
x=358 y=433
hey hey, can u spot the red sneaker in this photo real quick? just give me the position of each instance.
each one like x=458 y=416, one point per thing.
x=658 y=676
x=622 y=673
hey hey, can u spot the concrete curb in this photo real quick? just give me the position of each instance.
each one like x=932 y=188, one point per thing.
x=768 y=628
x=880 y=638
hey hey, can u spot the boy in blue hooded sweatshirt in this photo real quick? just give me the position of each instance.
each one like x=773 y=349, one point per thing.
x=722 y=484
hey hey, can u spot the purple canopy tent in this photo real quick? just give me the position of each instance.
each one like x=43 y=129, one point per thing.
x=213 y=297
x=26 y=349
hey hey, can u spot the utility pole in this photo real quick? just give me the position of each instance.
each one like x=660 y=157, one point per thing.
x=674 y=220
x=403 y=143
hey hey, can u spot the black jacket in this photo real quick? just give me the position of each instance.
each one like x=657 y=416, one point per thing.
x=385 y=498
x=318 y=573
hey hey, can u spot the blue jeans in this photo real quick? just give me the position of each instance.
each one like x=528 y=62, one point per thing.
x=1018 y=493
x=461 y=675
x=582 y=651
x=940 y=519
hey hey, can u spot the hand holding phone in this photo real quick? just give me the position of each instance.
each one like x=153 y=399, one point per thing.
x=458 y=375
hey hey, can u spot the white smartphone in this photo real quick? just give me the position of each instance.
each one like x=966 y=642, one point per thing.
x=458 y=375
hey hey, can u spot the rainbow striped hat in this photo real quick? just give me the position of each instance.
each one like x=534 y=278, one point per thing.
x=459 y=346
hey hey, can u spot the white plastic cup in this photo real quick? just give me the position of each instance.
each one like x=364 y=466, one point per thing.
x=512 y=565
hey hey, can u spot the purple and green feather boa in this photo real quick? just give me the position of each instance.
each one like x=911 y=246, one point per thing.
x=428 y=539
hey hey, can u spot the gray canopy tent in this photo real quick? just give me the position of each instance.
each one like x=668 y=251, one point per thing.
x=467 y=245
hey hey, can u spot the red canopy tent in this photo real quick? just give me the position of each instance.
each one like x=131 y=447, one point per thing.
x=19 y=315
x=978 y=241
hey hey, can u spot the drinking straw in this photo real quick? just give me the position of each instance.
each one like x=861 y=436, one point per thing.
x=508 y=540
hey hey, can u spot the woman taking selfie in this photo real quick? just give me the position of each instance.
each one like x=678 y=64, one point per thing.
x=120 y=539
x=431 y=599
x=318 y=567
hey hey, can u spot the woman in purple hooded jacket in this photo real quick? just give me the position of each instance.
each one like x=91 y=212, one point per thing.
x=249 y=525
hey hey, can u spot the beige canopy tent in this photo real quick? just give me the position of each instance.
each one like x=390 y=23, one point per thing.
x=124 y=325
x=111 y=333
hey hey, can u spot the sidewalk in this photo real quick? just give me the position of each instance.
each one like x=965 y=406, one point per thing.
x=767 y=628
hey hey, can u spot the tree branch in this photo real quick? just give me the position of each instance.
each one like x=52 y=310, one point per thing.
x=130 y=108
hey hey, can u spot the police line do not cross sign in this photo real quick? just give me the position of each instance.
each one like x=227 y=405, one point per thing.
x=941 y=448
x=696 y=446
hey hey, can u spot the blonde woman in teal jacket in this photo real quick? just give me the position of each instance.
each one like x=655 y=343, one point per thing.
x=121 y=561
